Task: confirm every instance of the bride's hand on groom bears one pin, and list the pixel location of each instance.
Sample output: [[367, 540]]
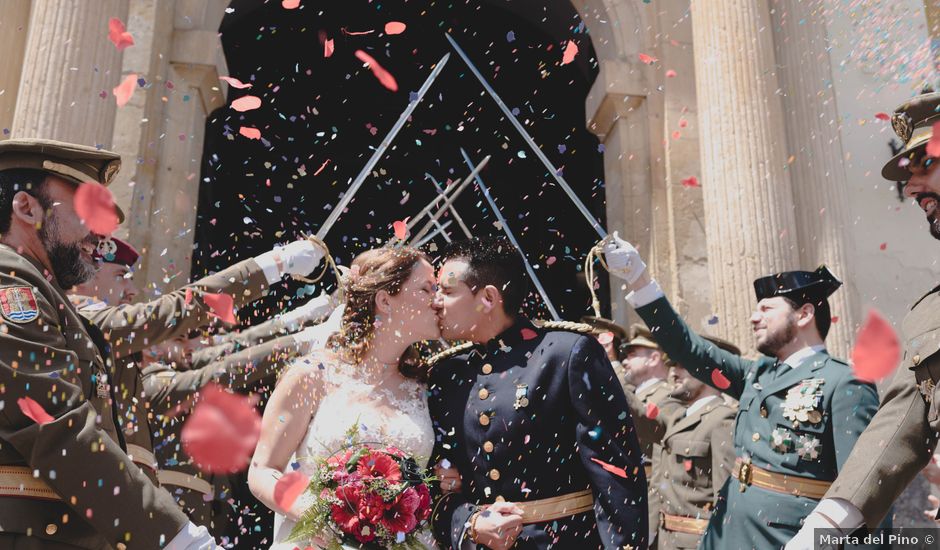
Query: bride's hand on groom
[[449, 478], [498, 525]]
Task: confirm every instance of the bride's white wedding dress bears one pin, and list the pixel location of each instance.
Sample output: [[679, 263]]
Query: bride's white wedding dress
[[382, 417]]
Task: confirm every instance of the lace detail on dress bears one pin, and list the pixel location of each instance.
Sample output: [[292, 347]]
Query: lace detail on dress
[[383, 417]]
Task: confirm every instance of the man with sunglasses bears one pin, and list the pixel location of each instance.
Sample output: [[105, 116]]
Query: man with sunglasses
[[902, 436]]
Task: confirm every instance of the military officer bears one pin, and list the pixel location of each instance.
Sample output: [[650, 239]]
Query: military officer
[[611, 336], [693, 460], [67, 480], [901, 438], [533, 419], [801, 410]]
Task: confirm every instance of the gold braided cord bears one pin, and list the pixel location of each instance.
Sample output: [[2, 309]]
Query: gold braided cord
[[596, 253], [583, 328], [329, 264]]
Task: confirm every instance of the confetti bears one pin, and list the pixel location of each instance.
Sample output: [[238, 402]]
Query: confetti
[[34, 410], [246, 103], [719, 380], [234, 82], [222, 431], [118, 35], [94, 204], [401, 229], [222, 306], [328, 47], [288, 488], [380, 73], [611, 468], [690, 181], [290, 4], [123, 91], [652, 411], [647, 59], [571, 50], [882, 116], [395, 27], [877, 349], [249, 132]]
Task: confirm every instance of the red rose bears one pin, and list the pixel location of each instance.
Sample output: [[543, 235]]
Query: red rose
[[377, 464], [424, 505], [400, 516]]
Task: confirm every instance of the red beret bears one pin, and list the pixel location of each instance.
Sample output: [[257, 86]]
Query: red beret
[[114, 250]]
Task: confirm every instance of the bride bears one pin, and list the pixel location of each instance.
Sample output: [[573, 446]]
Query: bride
[[359, 379]]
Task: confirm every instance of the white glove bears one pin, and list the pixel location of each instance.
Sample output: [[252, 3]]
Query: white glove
[[313, 310], [805, 539], [300, 257], [623, 259], [193, 537]]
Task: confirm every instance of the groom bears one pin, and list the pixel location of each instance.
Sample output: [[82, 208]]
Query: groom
[[533, 419]]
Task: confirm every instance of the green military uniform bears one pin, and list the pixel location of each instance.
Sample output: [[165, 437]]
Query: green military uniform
[[66, 482], [170, 392], [234, 341], [902, 436], [796, 425]]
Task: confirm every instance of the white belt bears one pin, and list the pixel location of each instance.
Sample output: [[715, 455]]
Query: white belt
[[179, 479], [141, 456]]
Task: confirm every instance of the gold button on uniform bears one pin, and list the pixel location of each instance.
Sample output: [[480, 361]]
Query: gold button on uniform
[[915, 359], [484, 393], [51, 529], [484, 419], [488, 446], [487, 368], [494, 474], [755, 437]]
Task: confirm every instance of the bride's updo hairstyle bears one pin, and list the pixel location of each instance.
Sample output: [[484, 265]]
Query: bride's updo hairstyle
[[387, 268]]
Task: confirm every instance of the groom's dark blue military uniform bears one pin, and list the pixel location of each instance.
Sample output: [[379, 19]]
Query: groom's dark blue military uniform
[[538, 414]]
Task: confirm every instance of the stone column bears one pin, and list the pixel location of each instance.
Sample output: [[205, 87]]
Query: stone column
[[815, 156], [14, 27], [69, 69], [749, 220]]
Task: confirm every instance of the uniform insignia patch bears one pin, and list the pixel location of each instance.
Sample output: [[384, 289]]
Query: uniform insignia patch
[[18, 304], [808, 447]]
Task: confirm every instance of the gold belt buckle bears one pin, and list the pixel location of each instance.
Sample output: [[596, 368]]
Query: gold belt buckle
[[744, 475]]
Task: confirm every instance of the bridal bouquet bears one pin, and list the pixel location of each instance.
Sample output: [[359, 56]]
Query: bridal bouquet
[[366, 496]]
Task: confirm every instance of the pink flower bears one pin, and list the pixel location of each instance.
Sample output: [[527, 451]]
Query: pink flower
[[400, 516]]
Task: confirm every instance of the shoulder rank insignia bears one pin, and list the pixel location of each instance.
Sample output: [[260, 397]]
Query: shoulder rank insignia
[[449, 352], [583, 328], [18, 304]]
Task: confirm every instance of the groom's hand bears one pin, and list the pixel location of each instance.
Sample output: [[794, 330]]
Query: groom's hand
[[624, 262], [498, 526], [449, 478]]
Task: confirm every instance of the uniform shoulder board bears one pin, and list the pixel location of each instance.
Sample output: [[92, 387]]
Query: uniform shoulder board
[[449, 352], [582, 328]]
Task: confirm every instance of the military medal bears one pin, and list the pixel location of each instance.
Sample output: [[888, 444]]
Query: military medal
[[802, 401], [808, 447], [781, 440], [102, 386], [522, 396]]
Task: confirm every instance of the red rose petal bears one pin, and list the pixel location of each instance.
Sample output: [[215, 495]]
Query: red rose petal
[[123, 91], [571, 50], [94, 204], [652, 411], [34, 410], [222, 306], [648, 59], [395, 27], [222, 431], [611, 468], [380, 73], [529, 334], [234, 82], [883, 246], [401, 229], [882, 116], [249, 132], [118, 35], [289, 487], [933, 146], [328, 47], [670, 73], [246, 103], [189, 296], [687, 465], [691, 181], [877, 350], [719, 380]]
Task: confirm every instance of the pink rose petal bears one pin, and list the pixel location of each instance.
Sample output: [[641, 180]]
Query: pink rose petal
[[289, 487], [123, 91], [222, 306], [290, 4], [246, 103], [647, 59], [877, 350], [34, 410], [571, 50], [380, 73], [118, 35], [234, 82], [690, 181], [94, 205], [719, 380], [401, 229], [328, 47], [222, 431], [529, 334], [249, 132], [933, 146], [395, 27]]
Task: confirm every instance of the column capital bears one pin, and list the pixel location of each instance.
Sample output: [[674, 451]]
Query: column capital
[[616, 93]]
